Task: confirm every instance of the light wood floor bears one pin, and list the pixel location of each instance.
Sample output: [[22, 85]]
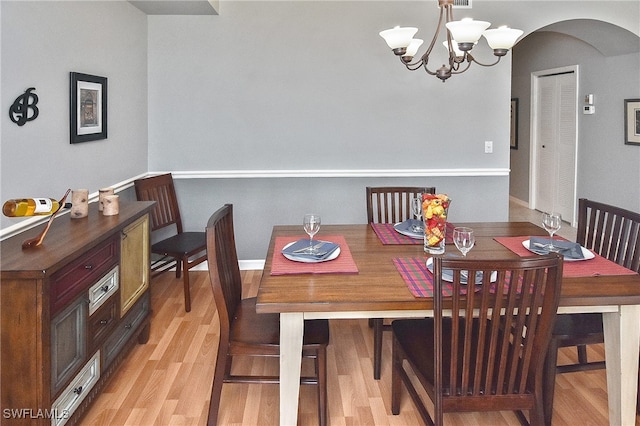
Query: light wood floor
[[168, 380]]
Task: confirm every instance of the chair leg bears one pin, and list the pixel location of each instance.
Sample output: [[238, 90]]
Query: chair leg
[[396, 381], [638, 393], [187, 288], [179, 268], [377, 347], [321, 371], [218, 380], [582, 354], [549, 380]]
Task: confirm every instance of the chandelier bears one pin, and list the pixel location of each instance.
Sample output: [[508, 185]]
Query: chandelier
[[461, 37]]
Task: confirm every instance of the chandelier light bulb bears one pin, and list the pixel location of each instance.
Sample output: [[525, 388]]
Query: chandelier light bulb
[[413, 47], [467, 31], [398, 37], [502, 37], [459, 53]]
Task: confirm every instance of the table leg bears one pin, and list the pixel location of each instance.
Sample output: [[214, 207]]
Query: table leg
[[291, 331], [622, 343]]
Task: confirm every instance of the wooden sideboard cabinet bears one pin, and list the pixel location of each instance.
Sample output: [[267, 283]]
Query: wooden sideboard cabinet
[[70, 311]]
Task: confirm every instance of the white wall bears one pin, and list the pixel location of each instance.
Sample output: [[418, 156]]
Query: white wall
[[309, 92], [253, 90], [311, 87], [608, 170], [42, 42]]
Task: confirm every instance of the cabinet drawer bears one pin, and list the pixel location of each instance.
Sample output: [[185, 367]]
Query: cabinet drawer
[[78, 275], [103, 322], [126, 328], [75, 393], [102, 290]]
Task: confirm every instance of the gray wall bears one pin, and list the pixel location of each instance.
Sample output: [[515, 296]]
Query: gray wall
[[608, 170], [42, 42], [237, 101]]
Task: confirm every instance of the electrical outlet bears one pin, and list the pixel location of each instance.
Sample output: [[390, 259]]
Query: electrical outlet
[[488, 147]]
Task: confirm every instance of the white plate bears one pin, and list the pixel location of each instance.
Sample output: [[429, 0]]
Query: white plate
[[585, 252], [332, 256], [447, 274], [406, 233]]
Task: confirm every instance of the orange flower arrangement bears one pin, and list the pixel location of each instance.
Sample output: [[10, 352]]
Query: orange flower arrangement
[[434, 210]]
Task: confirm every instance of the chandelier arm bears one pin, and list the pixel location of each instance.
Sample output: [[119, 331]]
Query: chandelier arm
[[470, 59], [425, 57], [460, 71]]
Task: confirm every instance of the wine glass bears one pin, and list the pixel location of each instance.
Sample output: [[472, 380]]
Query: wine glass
[[311, 227], [551, 223], [416, 206], [464, 239]]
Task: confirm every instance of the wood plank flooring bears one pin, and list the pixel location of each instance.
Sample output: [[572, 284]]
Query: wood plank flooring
[[168, 380]]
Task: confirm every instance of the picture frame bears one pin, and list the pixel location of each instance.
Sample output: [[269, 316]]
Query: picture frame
[[513, 140], [632, 121], [87, 107]]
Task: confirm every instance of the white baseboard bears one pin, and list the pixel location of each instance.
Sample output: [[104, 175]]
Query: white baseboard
[[519, 202], [245, 265]]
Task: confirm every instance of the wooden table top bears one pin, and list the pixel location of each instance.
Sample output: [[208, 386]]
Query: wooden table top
[[379, 286]]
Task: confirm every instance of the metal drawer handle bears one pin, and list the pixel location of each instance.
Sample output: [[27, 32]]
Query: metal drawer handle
[[128, 326], [78, 390], [105, 288], [105, 322], [88, 266]]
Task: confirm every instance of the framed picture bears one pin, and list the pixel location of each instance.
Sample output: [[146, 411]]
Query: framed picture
[[513, 141], [88, 107], [632, 121]]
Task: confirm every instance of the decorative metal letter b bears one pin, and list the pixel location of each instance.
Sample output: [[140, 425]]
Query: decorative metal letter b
[[19, 111]]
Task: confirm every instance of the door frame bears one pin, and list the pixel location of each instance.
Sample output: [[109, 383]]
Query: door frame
[[533, 178]]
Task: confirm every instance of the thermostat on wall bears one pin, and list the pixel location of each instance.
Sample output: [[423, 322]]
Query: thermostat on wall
[[589, 109]]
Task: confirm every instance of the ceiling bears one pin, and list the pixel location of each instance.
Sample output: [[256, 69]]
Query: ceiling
[[177, 7], [608, 39]]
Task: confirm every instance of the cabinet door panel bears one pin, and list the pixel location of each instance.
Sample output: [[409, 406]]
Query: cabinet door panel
[[134, 266], [68, 343]]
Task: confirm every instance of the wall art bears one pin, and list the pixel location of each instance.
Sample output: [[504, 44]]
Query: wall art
[[632, 121], [88, 107]]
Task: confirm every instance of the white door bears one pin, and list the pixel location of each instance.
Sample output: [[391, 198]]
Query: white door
[[554, 142]]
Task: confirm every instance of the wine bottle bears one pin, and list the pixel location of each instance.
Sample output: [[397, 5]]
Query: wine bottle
[[31, 207]]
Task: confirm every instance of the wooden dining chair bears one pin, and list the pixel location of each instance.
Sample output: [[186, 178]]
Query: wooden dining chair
[[482, 350], [178, 248], [243, 332], [388, 204], [613, 233]]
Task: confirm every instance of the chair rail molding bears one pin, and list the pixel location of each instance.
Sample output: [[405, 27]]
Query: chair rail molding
[[333, 173]]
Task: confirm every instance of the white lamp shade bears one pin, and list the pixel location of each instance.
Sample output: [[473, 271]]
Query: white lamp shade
[[502, 38], [413, 47], [467, 30], [459, 53], [398, 36]]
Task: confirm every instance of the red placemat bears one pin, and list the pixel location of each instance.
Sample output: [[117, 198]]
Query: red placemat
[[418, 278], [388, 235], [582, 268], [343, 264]]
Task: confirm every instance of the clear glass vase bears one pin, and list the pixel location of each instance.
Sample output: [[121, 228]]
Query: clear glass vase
[[435, 211]]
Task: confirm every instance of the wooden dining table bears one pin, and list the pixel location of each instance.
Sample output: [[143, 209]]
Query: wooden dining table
[[376, 289]]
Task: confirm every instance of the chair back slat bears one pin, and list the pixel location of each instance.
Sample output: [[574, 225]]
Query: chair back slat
[[392, 204], [161, 190], [224, 272], [611, 232], [499, 332]]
